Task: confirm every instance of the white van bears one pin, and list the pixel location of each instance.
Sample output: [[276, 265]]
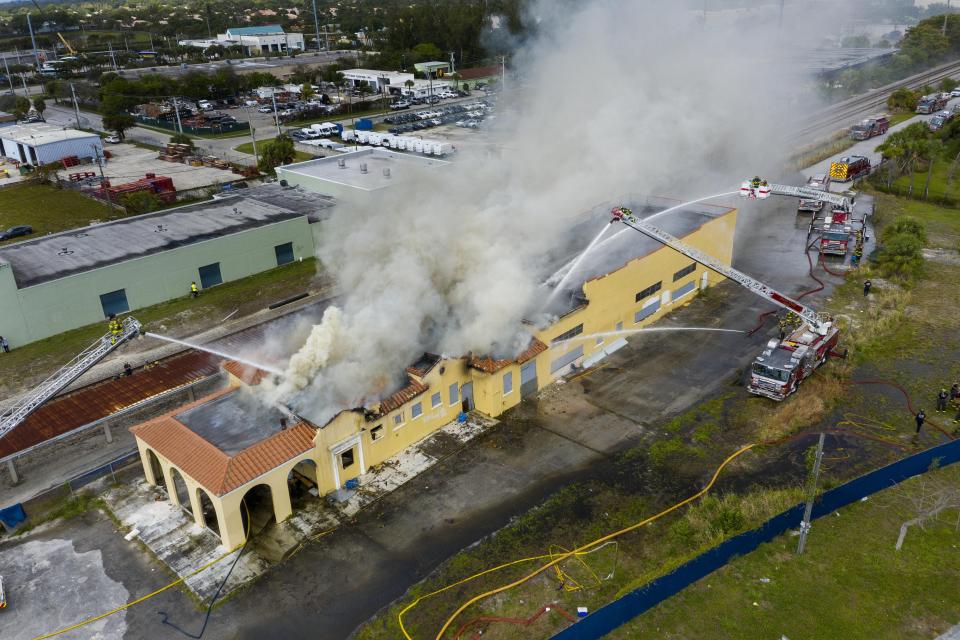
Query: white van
[[325, 129]]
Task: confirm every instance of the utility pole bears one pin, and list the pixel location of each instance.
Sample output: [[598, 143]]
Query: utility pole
[[453, 66], [112, 58], [176, 110], [103, 180], [276, 116], [76, 107], [150, 33], [503, 72], [253, 139], [23, 79], [33, 41], [6, 68], [316, 24], [811, 495], [945, 19]]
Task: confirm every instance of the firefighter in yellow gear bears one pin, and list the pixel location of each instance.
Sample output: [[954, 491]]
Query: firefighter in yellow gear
[[194, 290], [115, 327]]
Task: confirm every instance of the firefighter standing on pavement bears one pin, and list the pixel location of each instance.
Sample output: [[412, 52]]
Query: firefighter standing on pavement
[[866, 287], [942, 401], [920, 417]]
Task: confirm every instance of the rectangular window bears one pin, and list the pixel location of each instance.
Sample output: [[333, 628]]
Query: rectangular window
[[649, 291], [284, 253], [377, 432], [454, 394], [210, 275], [507, 383], [566, 359], [346, 458], [114, 302], [684, 290], [685, 271], [435, 400], [647, 311], [398, 419], [566, 335], [416, 411], [619, 326]]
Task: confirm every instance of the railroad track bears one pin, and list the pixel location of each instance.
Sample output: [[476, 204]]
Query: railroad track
[[845, 113]]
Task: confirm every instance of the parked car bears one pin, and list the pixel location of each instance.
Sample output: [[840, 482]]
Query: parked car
[[955, 93], [16, 232], [399, 105], [265, 109], [112, 138]]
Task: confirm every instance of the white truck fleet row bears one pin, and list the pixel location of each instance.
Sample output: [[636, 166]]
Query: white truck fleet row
[[399, 143]]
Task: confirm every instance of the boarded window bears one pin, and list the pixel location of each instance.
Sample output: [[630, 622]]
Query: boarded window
[[377, 432], [647, 311], [284, 253], [114, 302], [435, 400], [684, 290], [649, 291], [454, 393], [507, 382], [210, 275], [685, 271], [566, 335], [416, 411], [566, 359]]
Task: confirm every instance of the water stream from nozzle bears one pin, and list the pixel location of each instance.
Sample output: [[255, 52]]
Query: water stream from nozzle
[[573, 268], [572, 265], [222, 354]]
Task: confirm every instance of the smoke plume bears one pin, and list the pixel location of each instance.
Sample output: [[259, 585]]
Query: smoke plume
[[607, 97]]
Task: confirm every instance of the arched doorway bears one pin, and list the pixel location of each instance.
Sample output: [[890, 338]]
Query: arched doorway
[[154, 462], [256, 509], [180, 489], [301, 480], [207, 512]]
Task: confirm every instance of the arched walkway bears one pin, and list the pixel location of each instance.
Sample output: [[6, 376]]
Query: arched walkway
[[257, 509], [156, 468], [208, 512], [180, 489], [301, 479]]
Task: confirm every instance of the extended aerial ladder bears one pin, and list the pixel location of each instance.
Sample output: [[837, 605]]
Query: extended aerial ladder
[[819, 323], [128, 329], [761, 189]]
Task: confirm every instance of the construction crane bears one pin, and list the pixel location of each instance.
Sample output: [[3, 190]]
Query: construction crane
[[72, 51], [784, 363], [128, 329]]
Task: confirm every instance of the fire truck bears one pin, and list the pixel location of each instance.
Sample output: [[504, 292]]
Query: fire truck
[[820, 182], [784, 364], [932, 103], [849, 168], [866, 129]]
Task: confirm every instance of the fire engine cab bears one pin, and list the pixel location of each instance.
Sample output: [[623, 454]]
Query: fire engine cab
[[784, 364]]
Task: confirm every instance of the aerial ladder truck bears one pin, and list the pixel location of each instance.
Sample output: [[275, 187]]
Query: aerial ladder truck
[[784, 363], [120, 332]]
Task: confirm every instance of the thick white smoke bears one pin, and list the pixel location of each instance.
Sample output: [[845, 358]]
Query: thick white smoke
[[610, 97]]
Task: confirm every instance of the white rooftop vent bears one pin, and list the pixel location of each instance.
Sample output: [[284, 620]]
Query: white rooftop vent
[[342, 163], [363, 167], [160, 229]]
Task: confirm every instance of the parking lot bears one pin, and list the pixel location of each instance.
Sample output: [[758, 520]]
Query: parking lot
[[129, 163]]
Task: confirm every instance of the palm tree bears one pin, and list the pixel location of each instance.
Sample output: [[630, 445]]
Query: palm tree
[[931, 150]]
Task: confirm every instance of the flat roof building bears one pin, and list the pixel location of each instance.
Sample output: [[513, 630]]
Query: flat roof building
[[630, 284], [42, 143], [254, 40], [378, 81], [66, 280], [357, 173]]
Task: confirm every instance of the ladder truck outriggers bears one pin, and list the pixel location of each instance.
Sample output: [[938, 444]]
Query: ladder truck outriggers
[[784, 363], [119, 333]]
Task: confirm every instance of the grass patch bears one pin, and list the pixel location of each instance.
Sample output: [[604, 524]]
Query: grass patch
[[850, 583], [66, 508], [49, 209], [247, 147], [31, 363]]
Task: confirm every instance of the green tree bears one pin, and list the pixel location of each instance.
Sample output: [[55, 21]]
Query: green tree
[[949, 84], [275, 153], [306, 91], [427, 52], [119, 122], [40, 105], [141, 202], [901, 256], [181, 138], [20, 108], [908, 225], [903, 99]]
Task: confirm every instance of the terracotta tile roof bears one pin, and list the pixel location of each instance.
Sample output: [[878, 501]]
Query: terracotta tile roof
[[216, 471], [409, 392], [247, 374], [489, 365], [424, 365]]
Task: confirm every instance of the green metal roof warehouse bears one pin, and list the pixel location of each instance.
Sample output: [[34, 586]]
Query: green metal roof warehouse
[[67, 280]]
